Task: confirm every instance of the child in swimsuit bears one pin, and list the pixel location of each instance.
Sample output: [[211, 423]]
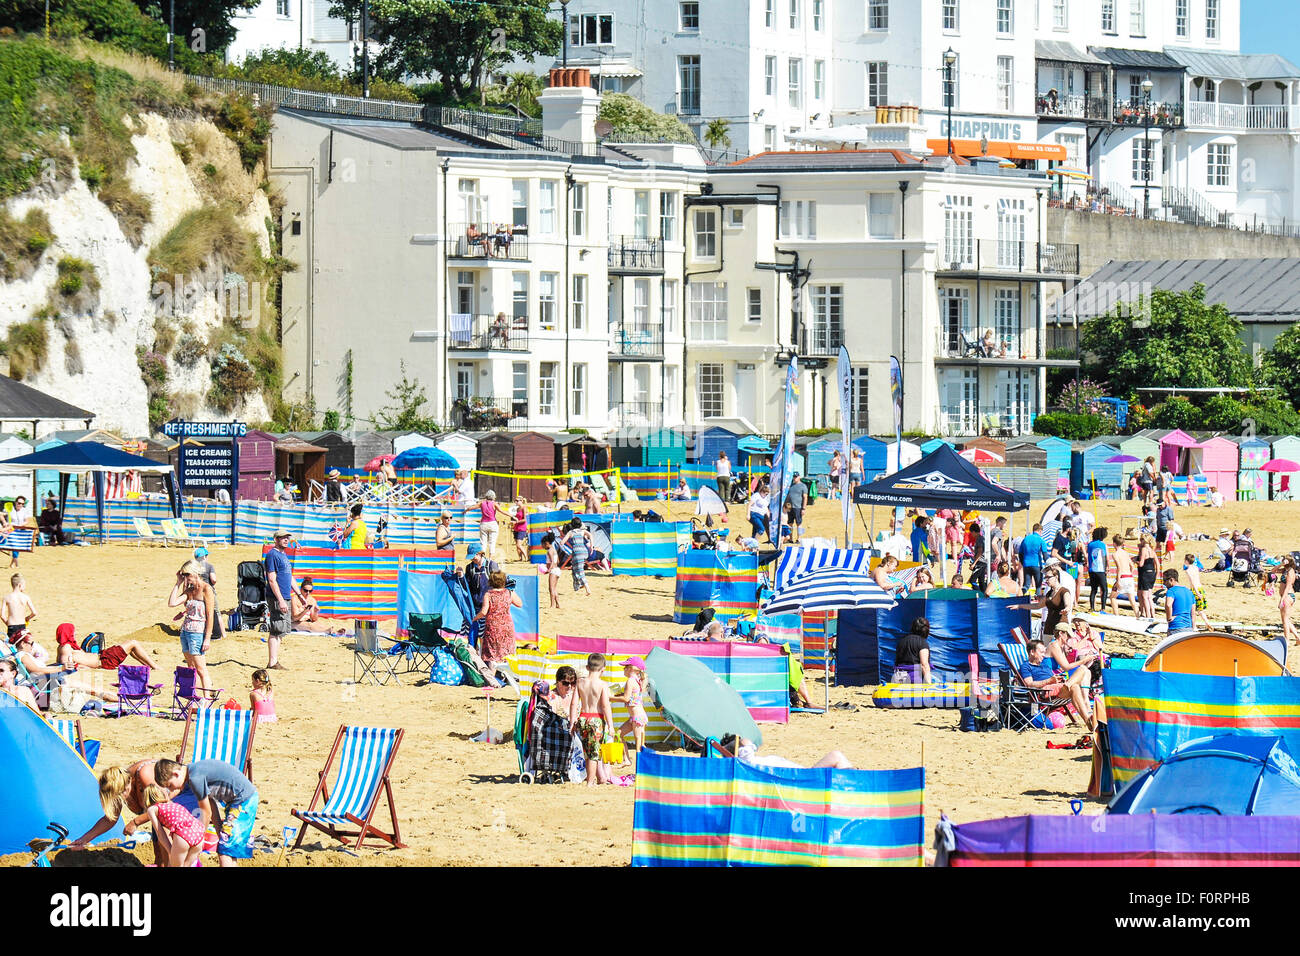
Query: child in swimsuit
[[592, 718], [178, 832], [262, 697], [634, 671]]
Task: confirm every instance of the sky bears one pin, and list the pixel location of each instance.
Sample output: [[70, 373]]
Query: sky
[[1271, 26]]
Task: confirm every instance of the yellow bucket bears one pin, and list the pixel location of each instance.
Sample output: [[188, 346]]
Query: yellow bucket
[[611, 752]]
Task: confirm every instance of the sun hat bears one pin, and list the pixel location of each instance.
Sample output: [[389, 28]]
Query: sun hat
[[200, 552], [635, 661], [332, 473], [282, 534]]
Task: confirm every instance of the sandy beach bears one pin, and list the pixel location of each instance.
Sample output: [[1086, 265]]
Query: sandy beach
[[458, 802]]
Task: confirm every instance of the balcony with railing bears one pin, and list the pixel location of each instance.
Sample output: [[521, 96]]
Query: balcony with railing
[[820, 340], [479, 413], [1008, 256], [636, 414], [628, 255], [636, 341], [488, 243], [1130, 112], [999, 421], [487, 333], [1053, 105], [1242, 117]]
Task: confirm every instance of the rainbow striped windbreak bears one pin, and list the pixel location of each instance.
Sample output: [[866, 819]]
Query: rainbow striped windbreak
[[529, 666], [726, 581], [1151, 714], [695, 812], [360, 584], [643, 548]]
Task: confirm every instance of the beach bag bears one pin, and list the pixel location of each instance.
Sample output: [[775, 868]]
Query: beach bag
[[446, 668], [236, 621], [466, 657]]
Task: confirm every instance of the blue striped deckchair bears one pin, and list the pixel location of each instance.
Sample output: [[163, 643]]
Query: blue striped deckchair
[[364, 767], [220, 734], [70, 731]]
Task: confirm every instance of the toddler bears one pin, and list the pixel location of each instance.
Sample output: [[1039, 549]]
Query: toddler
[[634, 671], [178, 832], [262, 697]]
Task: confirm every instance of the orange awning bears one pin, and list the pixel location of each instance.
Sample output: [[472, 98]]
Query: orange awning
[[971, 147]]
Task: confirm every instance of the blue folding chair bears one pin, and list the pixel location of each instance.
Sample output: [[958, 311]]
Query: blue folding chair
[[220, 734], [364, 766]]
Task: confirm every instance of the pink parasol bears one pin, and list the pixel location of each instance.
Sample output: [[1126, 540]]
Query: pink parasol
[[377, 464], [982, 456], [1281, 466]]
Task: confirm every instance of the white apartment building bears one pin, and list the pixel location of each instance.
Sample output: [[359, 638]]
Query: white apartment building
[[889, 254], [294, 24], [548, 285]]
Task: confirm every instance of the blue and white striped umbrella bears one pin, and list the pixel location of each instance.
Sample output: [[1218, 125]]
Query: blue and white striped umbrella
[[829, 589]]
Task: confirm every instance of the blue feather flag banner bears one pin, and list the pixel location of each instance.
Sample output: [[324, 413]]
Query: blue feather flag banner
[[783, 457]]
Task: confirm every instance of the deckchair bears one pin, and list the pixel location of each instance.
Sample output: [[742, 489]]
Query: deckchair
[[221, 734], [70, 731], [145, 535], [1019, 702], [597, 481], [176, 531], [364, 767]]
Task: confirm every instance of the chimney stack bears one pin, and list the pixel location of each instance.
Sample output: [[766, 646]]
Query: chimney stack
[[569, 107]]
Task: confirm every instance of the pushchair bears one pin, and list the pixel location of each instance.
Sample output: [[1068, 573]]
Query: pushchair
[[740, 489], [547, 749], [251, 596], [1245, 561]]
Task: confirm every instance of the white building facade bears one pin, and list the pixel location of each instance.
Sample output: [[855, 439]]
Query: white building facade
[[294, 25]]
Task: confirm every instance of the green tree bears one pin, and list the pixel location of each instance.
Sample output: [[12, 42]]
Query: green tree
[[1177, 412], [523, 89], [718, 133], [456, 41], [1280, 366], [630, 116], [309, 63], [406, 409], [203, 26], [1223, 413], [1170, 339]]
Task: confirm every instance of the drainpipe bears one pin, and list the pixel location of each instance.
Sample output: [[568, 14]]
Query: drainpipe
[[446, 301], [568, 225], [902, 288]]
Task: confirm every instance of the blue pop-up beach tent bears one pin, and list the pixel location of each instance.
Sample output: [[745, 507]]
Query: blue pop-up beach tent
[[88, 457], [1228, 775]]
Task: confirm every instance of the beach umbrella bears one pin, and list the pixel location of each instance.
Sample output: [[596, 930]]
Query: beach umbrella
[[982, 456], [828, 589], [377, 464], [697, 701], [1281, 466], [1121, 460], [425, 456], [1228, 775], [1068, 172]]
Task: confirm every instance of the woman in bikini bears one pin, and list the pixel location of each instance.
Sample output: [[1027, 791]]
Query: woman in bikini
[[552, 569], [1148, 569], [305, 611], [1125, 576]]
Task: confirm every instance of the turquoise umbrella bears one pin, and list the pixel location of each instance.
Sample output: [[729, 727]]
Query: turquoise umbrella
[[697, 701]]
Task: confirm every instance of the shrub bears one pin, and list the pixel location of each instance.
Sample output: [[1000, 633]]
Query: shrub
[[1176, 412], [22, 243], [1222, 413], [233, 378], [1080, 427], [27, 346], [332, 421], [153, 369], [189, 349]]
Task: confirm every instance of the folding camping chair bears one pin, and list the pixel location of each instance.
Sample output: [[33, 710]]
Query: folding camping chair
[[134, 692], [367, 653], [187, 696], [1019, 704], [597, 481], [364, 768], [145, 535], [221, 734], [422, 640]]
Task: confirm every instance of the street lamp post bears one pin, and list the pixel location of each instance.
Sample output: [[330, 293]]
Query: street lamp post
[[564, 25], [949, 58], [1146, 147], [365, 49]]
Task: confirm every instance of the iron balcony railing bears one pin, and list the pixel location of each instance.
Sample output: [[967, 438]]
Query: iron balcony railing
[[970, 343], [636, 414], [1073, 105], [641, 341], [820, 340], [1009, 256], [490, 241], [631, 255], [1130, 112], [487, 333]]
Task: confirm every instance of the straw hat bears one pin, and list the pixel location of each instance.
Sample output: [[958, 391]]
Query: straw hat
[[332, 473]]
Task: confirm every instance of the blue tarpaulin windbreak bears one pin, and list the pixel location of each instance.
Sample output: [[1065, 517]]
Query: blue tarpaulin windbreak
[[88, 457]]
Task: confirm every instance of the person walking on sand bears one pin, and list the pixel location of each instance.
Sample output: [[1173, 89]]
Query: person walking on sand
[[200, 605], [552, 569], [1198, 589], [279, 578], [722, 477], [498, 641], [592, 718], [18, 610], [1125, 577], [578, 540]]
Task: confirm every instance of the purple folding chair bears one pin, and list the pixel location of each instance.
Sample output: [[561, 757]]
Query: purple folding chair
[[134, 692], [187, 696]]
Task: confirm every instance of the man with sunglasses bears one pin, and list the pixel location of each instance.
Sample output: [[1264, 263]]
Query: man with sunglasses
[[20, 518]]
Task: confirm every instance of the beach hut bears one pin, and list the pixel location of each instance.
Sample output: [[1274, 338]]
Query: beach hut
[[463, 446], [875, 456], [156, 451], [627, 446], [580, 453], [1217, 459], [900, 454], [1058, 453], [665, 447], [257, 466], [1142, 445], [339, 451], [539, 454], [1254, 454], [300, 461], [932, 444], [1026, 454], [367, 446], [711, 439], [990, 445], [14, 483], [405, 440], [1089, 469], [496, 454], [818, 452], [1285, 486], [1171, 449]]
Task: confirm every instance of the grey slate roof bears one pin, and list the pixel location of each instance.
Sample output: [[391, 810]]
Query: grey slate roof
[[1235, 66], [1065, 52], [19, 402], [1140, 59], [1254, 290]]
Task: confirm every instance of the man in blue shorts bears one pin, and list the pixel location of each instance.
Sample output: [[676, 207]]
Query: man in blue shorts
[[1180, 602]]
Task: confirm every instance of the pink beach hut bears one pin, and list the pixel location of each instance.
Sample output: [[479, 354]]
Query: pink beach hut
[[1217, 460], [1171, 449]]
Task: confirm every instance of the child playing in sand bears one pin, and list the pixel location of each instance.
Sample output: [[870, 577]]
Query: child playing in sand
[[592, 718], [262, 697], [634, 671], [178, 832], [18, 610], [224, 794], [552, 569]]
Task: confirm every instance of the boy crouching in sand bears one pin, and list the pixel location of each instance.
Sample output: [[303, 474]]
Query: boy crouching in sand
[[592, 718], [217, 785]]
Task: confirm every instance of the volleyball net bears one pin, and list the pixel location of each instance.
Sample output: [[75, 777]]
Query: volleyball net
[[608, 483]]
